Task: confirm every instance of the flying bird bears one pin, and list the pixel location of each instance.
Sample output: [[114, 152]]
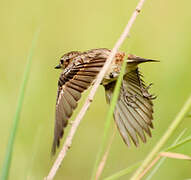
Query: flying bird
[[133, 113]]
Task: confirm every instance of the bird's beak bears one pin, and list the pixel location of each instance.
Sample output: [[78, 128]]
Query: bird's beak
[[136, 59], [58, 67]]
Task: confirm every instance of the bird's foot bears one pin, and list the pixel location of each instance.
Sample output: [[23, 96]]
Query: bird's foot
[[146, 94], [131, 100]]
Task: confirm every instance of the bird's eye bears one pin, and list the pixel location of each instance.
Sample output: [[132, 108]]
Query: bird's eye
[[68, 59], [61, 61]]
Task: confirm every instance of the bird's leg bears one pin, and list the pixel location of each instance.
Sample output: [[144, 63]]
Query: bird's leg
[[147, 95], [129, 99], [144, 90]]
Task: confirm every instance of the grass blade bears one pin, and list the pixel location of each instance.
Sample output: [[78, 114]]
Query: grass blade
[[175, 155], [123, 172], [157, 166], [9, 151], [105, 156], [109, 117], [184, 141]]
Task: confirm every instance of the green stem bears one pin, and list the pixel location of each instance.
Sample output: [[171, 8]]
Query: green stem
[[163, 140], [8, 156], [184, 141], [123, 172], [109, 117]]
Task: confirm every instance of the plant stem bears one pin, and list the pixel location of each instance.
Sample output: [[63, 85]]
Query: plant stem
[[123, 172], [163, 158], [109, 117]]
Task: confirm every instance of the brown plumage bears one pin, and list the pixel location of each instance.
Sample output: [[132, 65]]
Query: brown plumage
[[133, 112]]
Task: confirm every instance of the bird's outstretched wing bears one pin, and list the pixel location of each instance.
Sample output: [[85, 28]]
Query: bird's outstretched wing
[[134, 109], [73, 81]]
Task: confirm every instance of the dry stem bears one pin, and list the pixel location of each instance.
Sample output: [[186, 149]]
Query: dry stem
[[104, 158], [90, 97], [164, 154]]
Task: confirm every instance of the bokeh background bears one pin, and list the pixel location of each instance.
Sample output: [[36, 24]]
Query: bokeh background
[[162, 31]]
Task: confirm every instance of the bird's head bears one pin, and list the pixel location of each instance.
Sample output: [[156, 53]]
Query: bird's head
[[66, 59]]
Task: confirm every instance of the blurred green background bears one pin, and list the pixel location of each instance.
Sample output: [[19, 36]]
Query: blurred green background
[[162, 31]]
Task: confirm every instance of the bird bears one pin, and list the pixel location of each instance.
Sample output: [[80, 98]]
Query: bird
[[133, 112]]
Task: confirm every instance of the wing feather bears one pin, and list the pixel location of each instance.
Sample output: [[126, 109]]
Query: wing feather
[[133, 112], [70, 99], [122, 129], [72, 82]]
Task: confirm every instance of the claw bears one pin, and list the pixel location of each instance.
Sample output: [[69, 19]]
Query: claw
[[149, 96], [149, 86], [131, 100], [152, 97], [146, 93]]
